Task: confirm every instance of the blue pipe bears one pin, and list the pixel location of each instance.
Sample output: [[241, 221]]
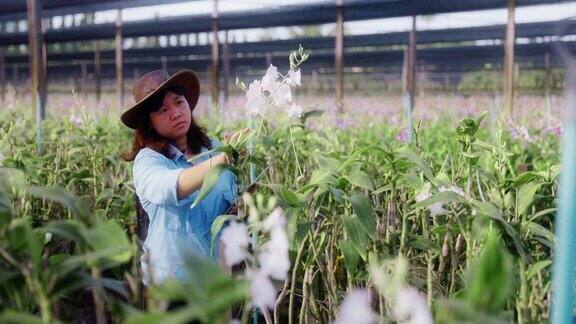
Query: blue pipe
[[564, 262]]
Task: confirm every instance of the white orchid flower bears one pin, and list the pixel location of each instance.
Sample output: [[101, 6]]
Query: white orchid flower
[[262, 289], [356, 308], [269, 79], [294, 111], [274, 257], [294, 78], [235, 239], [411, 307]]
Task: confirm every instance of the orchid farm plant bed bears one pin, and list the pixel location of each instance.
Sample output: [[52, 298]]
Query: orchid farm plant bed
[[346, 225]]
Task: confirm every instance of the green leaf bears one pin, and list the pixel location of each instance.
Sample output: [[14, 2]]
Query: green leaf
[[78, 207], [10, 316], [423, 244], [110, 237], [210, 181], [525, 196], [490, 279], [487, 209], [361, 179], [217, 226], [356, 234], [539, 230], [365, 212], [414, 158], [442, 196], [537, 267], [351, 256]]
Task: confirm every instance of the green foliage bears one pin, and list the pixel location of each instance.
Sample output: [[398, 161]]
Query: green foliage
[[67, 218]]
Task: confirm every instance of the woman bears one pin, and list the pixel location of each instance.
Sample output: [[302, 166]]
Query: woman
[[166, 183]]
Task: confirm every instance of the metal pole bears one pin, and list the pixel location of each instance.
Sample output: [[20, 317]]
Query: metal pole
[[83, 78], [409, 78], [97, 70], [547, 83], [2, 76], [37, 77], [119, 61], [164, 63], [215, 59], [339, 56], [226, 57], [564, 261], [509, 59]]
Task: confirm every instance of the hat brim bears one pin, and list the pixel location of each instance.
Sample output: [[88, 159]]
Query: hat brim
[[187, 79]]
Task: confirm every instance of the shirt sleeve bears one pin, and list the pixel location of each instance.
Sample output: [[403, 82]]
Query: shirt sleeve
[[155, 181], [215, 142]]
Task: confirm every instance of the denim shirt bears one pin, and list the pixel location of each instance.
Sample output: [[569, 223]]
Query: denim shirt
[[175, 229]]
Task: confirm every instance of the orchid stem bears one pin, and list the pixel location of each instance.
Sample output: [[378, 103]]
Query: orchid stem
[[294, 148]]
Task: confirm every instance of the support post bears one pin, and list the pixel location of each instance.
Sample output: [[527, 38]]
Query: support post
[[37, 70], [226, 58], [548, 84], [164, 63], [119, 61], [2, 76], [83, 79], [15, 76], [509, 59], [339, 56], [409, 78], [215, 58], [97, 71]]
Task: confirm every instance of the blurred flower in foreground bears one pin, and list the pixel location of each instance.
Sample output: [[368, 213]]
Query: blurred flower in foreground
[[435, 208], [274, 257], [235, 239], [403, 135], [262, 289], [411, 307], [356, 308]]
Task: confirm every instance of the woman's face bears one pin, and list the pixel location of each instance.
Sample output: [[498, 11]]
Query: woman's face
[[173, 118]]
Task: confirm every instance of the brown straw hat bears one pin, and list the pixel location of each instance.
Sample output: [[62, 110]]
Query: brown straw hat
[[153, 82]]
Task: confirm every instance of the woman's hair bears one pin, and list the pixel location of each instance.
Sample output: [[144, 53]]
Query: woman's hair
[[146, 136]]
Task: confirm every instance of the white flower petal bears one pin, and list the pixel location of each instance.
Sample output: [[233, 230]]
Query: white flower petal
[[436, 209], [269, 79], [262, 290], [294, 111], [356, 308], [294, 78], [235, 239], [274, 257], [275, 220], [281, 95], [424, 194], [411, 307]]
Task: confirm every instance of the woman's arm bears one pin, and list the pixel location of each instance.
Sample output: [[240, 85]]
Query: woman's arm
[[191, 179]]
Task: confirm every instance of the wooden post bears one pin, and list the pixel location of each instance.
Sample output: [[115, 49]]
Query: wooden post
[[215, 59], [37, 70], [268, 59], [409, 77], [15, 76], [164, 63], [226, 58], [119, 61], [548, 83], [2, 76], [339, 55], [83, 79], [411, 72], [97, 70], [509, 59]]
